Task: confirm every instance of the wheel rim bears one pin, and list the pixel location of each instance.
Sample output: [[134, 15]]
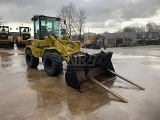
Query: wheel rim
[[49, 64]]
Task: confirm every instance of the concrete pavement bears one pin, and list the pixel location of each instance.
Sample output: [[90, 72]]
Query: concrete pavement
[[30, 94]]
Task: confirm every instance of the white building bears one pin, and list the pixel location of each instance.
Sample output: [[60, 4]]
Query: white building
[[149, 38]]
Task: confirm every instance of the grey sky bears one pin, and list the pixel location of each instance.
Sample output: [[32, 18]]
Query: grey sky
[[101, 13]]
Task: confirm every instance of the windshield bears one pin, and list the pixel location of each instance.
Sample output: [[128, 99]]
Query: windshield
[[4, 28], [24, 29], [50, 26]]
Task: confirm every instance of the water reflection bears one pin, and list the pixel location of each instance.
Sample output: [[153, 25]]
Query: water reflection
[[6, 60], [54, 93], [45, 89], [89, 101]]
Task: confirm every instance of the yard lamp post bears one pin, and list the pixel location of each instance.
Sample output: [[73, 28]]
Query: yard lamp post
[[115, 42]]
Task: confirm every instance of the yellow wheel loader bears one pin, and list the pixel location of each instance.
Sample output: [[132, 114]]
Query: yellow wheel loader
[[5, 37], [84, 71], [94, 42], [24, 35]]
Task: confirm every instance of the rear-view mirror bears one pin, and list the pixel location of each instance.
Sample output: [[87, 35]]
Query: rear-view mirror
[[65, 22], [34, 18]]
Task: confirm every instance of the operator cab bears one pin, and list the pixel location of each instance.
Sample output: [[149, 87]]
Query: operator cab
[[23, 30], [45, 26], [4, 32], [4, 29]]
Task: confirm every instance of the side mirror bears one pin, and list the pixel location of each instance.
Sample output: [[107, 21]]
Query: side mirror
[[30, 29], [34, 18], [10, 28], [65, 22], [16, 28], [63, 31]]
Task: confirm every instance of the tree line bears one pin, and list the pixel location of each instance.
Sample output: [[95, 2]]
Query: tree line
[[147, 28]]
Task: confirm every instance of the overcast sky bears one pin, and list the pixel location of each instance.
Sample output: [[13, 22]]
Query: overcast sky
[[103, 15]]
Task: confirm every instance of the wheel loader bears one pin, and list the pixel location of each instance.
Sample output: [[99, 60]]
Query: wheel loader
[[84, 71], [94, 42], [24, 35], [5, 37]]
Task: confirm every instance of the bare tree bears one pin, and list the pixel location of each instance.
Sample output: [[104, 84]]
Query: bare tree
[[157, 27], [75, 19], [140, 29], [81, 17], [151, 27], [134, 29], [147, 28], [129, 29], [68, 13]]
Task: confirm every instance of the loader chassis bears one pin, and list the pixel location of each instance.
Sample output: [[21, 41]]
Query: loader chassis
[[5, 37]]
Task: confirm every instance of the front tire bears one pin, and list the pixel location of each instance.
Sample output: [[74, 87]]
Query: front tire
[[11, 44], [53, 64], [32, 62]]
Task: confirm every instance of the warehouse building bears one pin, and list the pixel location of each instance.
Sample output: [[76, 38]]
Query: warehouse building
[[120, 39]]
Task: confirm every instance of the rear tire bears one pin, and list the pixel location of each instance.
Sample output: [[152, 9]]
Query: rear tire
[[18, 44], [53, 64], [11, 44], [32, 62]]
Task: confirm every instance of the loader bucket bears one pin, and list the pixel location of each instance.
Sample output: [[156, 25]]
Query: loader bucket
[[81, 67]]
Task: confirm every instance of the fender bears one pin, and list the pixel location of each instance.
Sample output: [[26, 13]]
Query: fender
[[36, 52]]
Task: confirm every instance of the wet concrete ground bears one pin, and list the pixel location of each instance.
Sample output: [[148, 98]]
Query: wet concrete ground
[[30, 94]]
